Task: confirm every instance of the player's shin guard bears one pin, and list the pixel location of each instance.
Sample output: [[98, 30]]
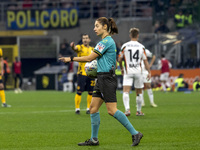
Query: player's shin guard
[[95, 122], [150, 94], [139, 102], [121, 117], [126, 100], [3, 97], [89, 99], [77, 101]]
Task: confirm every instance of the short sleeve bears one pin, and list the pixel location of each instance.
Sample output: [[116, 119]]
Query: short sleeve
[[123, 47], [100, 48], [1, 52], [121, 54], [148, 53], [144, 54], [79, 47]]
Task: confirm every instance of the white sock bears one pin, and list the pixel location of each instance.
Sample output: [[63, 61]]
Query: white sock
[[142, 96], [150, 94], [126, 100], [139, 102], [163, 86]]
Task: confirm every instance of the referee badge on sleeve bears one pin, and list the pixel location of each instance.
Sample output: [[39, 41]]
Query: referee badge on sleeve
[[100, 47]]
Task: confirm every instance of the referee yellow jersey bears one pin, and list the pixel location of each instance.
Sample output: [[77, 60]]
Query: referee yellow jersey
[[83, 51]]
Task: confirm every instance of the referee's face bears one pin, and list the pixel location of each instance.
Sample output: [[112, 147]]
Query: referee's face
[[98, 28]]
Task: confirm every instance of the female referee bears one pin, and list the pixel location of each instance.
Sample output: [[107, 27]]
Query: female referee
[[105, 53]]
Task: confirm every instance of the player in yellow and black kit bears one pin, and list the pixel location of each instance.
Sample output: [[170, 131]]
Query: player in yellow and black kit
[[2, 93], [84, 82]]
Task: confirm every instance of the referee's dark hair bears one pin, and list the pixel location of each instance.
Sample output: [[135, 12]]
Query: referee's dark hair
[[111, 25]]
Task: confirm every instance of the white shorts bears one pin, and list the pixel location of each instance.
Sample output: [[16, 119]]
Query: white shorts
[[137, 79], [145, 78], [164, 76]]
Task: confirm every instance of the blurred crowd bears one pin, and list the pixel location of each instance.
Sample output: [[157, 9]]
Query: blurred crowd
[[99, 7], [174, 14]]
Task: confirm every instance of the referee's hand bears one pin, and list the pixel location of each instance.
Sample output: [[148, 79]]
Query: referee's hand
[[65, 59]]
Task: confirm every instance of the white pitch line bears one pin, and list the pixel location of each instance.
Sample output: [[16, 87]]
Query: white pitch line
[[36, 112]]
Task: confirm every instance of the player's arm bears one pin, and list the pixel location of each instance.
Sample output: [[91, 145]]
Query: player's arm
[[120, 59], [73, 46], [120, 64], [146, 64], [152, 60], [89, 58], [116, 65]]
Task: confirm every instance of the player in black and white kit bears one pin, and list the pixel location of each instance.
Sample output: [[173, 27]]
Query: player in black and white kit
[[133, 54], [147, 83]]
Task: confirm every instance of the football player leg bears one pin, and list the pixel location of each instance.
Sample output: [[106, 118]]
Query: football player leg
[[143, 103], [2, 94], [150, 94], [139, 102], [80, 89], [78, 101], [163, 79], [144, 75], [127, 84], [139, 85], [89, 99], [89, 87], [126, 100], [121, 117], [95, 122], [147, 86]]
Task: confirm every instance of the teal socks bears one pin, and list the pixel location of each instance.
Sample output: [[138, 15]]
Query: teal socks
[[95, 122], [121, 117]]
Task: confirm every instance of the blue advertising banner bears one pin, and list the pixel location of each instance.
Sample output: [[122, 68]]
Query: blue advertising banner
[[42, 19]]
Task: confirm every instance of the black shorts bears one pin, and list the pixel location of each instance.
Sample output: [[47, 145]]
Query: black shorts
[[105, 87], [84, 83]]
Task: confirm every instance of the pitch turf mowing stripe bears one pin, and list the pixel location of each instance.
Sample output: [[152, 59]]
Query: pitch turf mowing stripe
[[36, 112]]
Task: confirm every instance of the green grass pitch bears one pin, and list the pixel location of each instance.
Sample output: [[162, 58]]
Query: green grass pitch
[[45, 120]]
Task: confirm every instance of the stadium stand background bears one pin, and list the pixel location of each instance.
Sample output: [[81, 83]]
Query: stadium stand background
[[41, 47]]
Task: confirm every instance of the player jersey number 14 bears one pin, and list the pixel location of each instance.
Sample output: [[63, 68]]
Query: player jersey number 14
[[133, 58]]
